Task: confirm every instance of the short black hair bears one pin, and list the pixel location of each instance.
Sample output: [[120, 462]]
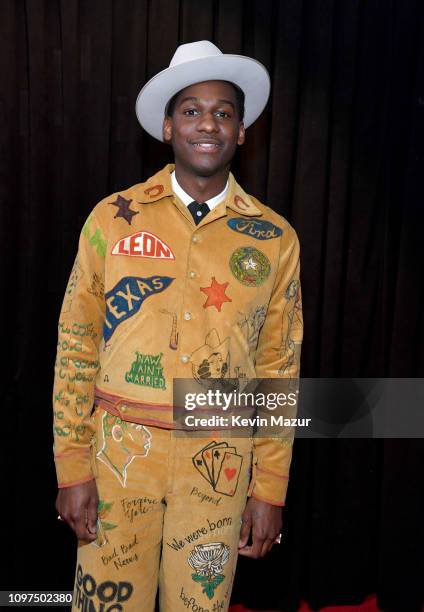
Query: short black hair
[[169, 109]]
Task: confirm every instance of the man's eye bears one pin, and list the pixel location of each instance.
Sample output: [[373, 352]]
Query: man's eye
[[223, 114], [190, 112]]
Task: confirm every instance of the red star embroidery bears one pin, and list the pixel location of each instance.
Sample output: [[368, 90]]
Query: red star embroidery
[[216, 294], [124, 209]]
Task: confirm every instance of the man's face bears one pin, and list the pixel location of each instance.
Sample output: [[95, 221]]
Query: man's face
[[133, 438], [205, 129]]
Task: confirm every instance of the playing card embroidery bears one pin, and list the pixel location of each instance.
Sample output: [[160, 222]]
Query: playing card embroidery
[[220, 465]]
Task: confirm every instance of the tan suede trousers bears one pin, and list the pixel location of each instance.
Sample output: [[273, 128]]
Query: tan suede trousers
[[169, 516]]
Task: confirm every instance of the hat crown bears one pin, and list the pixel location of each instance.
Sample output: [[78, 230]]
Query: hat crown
[[192, 51], [197, 62]]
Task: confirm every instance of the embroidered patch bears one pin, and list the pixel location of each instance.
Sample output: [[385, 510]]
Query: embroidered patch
[[126, 298], [154, 191], [91, 593], [76, 273], [216, 294], [102, 525], [134, 508], [147, 371], [240, 203], [211, 362], [124, 209], [250, 266], [143, 244], [292, 313], [251, 324], [212, 359], [97, 286], [261, 230], [220, 465], [122, 443], [96, 239], [208, 561], [173, 336]]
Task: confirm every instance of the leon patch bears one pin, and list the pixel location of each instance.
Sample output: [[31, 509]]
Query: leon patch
[[126, 298], [250, 266], [261, 230], [143, 244]]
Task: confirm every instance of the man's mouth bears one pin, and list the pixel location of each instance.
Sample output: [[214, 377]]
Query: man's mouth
[[206, 146]]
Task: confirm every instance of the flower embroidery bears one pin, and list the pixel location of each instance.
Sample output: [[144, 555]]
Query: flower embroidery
[[208, 561]]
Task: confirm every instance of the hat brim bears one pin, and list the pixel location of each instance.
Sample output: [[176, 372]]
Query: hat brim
[[249, 74]]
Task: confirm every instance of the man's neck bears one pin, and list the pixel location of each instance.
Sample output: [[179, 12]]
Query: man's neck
[[201, 188]]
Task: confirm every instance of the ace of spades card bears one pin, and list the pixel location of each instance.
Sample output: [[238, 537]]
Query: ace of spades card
[[220, 465]]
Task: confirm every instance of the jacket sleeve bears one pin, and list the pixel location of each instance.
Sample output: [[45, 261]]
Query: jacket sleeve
[[278, 356], [77, 361]]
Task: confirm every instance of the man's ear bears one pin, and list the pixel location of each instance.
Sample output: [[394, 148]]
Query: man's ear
[[167, 129], [242, 134]]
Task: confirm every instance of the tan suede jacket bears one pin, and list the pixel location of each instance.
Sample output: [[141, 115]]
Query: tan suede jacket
[[152, 297]]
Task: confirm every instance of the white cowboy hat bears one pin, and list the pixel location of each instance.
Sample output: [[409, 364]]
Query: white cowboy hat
[[196, 62]]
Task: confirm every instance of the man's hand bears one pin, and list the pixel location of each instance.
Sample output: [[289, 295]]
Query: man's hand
[[78, 507], [265, 521]]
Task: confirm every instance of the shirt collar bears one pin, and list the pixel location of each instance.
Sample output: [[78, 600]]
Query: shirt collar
[[159, 186], [186, 199]]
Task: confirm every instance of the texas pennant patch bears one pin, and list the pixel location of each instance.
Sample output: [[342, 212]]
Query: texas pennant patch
[[143, 244], [126, 298]]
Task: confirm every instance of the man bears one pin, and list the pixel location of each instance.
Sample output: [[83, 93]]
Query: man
[[163, 288]]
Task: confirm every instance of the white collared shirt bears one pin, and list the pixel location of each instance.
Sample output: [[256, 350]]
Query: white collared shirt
[[186, 199]]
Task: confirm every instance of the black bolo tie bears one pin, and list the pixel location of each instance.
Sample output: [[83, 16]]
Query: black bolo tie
[[198, 211]]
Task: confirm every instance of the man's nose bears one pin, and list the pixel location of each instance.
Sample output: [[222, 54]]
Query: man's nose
[[207, 123]]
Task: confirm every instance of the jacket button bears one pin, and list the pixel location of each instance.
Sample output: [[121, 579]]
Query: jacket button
[[123, 408], [195, 239], [185, 358], [187, 316], [193, 274]]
